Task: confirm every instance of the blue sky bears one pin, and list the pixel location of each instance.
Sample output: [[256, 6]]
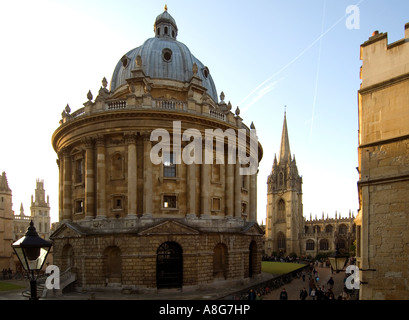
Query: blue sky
[[262, 54]]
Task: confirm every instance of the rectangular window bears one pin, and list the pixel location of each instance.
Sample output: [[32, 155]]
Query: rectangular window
[[79, 205], [117, 203], [216, 204], [169, 166], [169, 202]]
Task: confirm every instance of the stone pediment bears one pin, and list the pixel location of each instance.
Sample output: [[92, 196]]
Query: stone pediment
[[253, 229], [169, 227], [66, 231]]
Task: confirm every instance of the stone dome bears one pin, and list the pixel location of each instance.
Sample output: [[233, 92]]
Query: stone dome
[[163, 57]]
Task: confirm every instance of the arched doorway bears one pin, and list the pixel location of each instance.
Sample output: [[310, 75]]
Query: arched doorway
[[252, 257], [113, 265], [169, 266]]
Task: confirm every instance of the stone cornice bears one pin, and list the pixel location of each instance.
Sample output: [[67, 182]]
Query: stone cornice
[[156, 115]]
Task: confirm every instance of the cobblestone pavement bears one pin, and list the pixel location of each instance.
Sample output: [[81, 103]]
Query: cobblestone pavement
[[294, 287]]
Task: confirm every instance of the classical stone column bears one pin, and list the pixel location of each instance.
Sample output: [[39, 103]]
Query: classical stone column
[[60, 163], [147, 177], [101, 177], [204, 184], [132, 175], [191, 190], [229, 190], [237, 190], [67, 183], [253, 197], [89, 179]]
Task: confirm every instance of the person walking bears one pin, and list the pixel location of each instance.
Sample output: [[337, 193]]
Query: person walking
[[303, 294], [330, 283], [283, 295], [252, 295]]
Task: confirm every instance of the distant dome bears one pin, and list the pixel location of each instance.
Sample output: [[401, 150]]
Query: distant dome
[[163, 57]]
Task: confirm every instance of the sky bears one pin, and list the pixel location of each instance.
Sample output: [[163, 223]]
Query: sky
[[263, 54]]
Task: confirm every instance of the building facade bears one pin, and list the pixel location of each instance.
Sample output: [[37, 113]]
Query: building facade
[[287, 230], [13, 227], [383, 155], [6, 224], [325, 235], [138, 207]]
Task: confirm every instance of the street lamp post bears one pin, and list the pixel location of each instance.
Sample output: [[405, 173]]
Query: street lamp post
[[32, 251]]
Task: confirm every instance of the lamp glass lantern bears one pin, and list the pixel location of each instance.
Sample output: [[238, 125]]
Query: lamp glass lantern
[[338, 261], [32, 250]]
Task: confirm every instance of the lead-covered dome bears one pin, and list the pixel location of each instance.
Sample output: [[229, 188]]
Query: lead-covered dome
[[163, 57]]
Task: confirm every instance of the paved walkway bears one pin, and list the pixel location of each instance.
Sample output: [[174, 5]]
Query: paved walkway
[[293, 290], [294, 287]]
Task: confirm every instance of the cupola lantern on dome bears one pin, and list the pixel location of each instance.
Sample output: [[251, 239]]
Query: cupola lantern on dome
[[165, 26]]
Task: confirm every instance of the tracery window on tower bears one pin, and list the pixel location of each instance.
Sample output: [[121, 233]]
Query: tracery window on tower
[[281, 210], [281, 179], [281, 241]]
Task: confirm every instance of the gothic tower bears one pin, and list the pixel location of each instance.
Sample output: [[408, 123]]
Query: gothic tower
[[284, 202], [40, 210]]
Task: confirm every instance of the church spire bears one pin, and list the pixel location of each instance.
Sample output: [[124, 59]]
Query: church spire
[[285, 152]]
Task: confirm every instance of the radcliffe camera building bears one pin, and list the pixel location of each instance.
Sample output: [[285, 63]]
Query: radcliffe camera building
[[129, 222]]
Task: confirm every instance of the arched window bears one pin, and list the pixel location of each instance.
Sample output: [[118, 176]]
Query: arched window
[[341, 244], [328, 228], [342, 229], [324, 244], [281, 210], [310, 245]]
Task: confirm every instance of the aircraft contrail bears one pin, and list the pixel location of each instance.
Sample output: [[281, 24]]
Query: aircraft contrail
[[296, 58]]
